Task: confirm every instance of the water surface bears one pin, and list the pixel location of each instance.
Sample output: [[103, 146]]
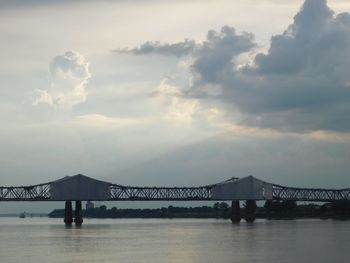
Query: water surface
[[173, 240]]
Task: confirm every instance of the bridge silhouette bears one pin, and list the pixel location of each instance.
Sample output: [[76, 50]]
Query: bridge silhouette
[[80, 188]]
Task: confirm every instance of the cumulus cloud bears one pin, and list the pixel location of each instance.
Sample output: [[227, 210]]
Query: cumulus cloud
[[177, 108], [300, 84], [69, 74], [214, 58]]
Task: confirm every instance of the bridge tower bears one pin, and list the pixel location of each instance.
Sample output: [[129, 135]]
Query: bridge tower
[[78, 188]]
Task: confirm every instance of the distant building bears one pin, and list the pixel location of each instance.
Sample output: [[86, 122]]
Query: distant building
[[89, 205]]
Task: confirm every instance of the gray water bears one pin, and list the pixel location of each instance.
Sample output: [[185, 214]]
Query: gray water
[[173, 240]]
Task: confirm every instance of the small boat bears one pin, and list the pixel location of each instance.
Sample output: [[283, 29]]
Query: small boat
[[22, 215]]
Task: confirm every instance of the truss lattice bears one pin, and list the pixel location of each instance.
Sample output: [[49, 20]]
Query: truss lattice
[[41, 192]]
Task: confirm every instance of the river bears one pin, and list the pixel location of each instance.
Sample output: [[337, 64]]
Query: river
[[174, 240]]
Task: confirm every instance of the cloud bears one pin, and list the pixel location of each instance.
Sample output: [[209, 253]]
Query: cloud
[[176, 107], [99, 120], [69, 74], [214, 59], [291, 51], [223, 42], [177, 49], [300, 84]]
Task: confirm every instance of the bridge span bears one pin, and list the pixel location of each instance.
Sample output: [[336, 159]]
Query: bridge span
[[80, 188]]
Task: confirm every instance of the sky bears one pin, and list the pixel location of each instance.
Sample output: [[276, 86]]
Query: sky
[[174, 93]]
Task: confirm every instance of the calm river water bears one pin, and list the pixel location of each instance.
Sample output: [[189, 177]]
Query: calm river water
[[175, 240]]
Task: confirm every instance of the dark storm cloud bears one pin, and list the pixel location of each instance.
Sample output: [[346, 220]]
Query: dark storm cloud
[[301, 84]]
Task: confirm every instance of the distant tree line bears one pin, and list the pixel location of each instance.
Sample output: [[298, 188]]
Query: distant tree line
[[271, 209], [219, 210], [290, 209]]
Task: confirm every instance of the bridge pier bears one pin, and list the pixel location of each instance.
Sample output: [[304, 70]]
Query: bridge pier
[[68, 213], [78, 218], [235, 212], [250, 206], [268, 208]]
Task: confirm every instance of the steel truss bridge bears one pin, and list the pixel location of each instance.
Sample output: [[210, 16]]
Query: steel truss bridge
[[42, 192]]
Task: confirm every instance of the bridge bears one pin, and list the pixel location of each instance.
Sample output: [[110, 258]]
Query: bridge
[[80, 188]]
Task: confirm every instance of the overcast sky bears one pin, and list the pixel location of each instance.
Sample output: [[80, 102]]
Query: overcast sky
[[188, 92]]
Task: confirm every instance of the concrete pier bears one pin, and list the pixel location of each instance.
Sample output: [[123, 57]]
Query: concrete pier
[[250, 210], [68, 213], [78, 217], [235, 212], [268, 207]]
